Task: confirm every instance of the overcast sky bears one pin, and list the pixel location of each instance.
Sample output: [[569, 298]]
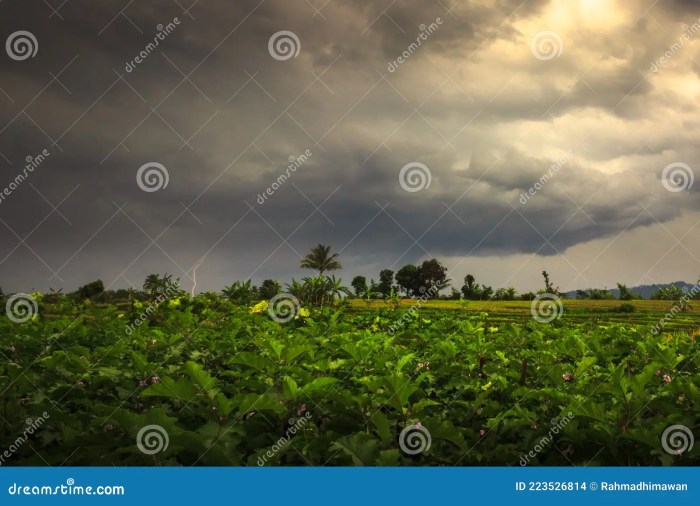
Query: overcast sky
[[496, 93]]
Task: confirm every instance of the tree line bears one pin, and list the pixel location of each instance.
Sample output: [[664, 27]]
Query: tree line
[[426, 280]]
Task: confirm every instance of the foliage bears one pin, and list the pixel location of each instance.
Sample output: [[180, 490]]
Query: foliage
[[359, 284], [318, 290], [269, 288], [474, 291], [408, 279], [239, 292], [505, 294], [595, 294], [548, 286], [386, 279], [433, 276], [225, 380], [626, 294], [670, 293], [156, 285], [429, 278], [320, 259], [90, 290]]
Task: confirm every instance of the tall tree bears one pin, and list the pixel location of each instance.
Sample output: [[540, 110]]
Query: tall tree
[[470, 287], [91, 289], [320, 259], [548, 286], [408, 279], [625, 293], [269, 288], [155, 284], [433, 276], [386, 279], [359, 284]]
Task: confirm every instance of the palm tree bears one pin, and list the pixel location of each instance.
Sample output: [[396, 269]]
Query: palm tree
[[155, 285], [240, 292], [321, 260]]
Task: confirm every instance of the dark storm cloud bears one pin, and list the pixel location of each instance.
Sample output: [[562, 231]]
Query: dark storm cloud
[[223, 116]]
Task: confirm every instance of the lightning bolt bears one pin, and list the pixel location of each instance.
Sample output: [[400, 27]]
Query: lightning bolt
[[194, 275]]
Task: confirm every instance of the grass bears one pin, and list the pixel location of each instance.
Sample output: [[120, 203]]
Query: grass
[[647, 312]]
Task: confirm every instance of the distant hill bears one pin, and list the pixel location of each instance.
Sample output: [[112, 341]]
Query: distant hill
[[644, 291]]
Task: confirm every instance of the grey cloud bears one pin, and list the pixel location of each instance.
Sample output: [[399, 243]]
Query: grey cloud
[[251, 112]]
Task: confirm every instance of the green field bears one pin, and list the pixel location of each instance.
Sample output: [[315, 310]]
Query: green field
[[646, 312], [205, 382]]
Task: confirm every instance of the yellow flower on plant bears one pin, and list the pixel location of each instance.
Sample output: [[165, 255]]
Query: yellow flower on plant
[[37, 296], [304, 312], [259, 308]]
